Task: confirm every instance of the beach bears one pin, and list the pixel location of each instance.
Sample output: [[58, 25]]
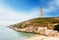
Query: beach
[[42, 37]]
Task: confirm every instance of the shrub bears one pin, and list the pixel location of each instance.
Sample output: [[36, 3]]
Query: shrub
[[56, 27]]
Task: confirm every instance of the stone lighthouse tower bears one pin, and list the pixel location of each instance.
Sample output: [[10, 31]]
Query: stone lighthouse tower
[[41, 13]]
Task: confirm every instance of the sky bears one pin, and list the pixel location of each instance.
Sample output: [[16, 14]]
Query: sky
[[15, 11]]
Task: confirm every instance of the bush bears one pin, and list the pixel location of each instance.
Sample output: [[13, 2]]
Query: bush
[[56, 27]]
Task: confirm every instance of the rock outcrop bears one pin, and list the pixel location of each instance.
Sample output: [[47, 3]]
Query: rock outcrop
[[39, 30], [43, 26]]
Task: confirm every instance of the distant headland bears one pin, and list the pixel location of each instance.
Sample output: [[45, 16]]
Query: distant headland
[[37, 25]]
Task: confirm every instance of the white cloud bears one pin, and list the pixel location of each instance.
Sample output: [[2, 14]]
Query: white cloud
[[52, 6], [9, 16]]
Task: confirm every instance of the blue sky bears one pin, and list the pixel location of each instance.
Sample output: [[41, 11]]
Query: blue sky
[[25, 5], [14, 11]]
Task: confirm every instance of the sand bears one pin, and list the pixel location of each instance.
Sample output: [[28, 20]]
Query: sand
[[42, 37]]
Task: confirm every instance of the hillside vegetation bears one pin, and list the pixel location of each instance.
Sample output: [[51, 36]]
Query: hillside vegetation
[[48, 22]]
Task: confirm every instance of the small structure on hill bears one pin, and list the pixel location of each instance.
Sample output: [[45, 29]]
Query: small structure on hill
[[41, 13]]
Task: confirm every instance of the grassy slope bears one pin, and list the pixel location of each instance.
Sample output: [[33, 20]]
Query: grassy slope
[[43, 22]]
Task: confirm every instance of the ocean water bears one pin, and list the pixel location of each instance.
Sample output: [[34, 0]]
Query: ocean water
[[9, 34]]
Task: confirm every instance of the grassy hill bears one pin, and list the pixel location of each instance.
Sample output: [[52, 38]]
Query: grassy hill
[[48, 22]]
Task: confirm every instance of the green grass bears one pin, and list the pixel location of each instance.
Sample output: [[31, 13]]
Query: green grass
[[38, 21]]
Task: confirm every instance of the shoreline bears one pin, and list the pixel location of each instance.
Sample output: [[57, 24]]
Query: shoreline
[[51, 36], [42, 37]]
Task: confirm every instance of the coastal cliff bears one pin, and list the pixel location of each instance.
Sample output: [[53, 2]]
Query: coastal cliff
[[37, 25]]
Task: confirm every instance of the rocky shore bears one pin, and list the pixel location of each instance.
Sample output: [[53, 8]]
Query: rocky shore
[[42, 33], [38, 30], [41, 26]]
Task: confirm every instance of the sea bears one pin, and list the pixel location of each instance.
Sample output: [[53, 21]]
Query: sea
[[8, 34]]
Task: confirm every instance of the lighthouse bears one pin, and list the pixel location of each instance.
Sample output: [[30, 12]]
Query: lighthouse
[[41, 13]]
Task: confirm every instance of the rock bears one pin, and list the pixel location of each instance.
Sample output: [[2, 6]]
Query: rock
[[51, 33], [39, 30]]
